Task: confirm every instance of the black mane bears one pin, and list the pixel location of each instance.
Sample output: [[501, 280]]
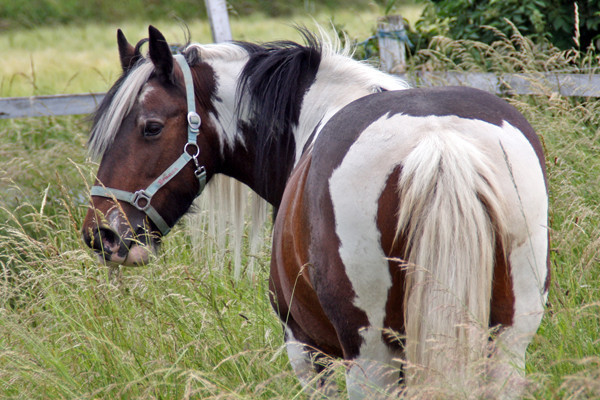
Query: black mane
[[272, 84]]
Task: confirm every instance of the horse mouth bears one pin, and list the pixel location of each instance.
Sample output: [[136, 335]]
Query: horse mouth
[[126, 248], [137, 255]]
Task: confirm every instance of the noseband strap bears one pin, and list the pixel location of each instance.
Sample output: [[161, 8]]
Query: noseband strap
[[141, 199]]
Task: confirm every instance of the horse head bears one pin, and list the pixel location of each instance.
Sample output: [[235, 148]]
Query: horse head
[[157, 148]]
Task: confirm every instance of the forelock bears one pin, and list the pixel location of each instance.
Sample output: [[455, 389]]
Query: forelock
[[115, 107]]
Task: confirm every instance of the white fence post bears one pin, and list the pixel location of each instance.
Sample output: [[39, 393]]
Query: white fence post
[[391, 35], [219, 20]]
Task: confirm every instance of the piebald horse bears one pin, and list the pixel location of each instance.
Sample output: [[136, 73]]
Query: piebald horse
[[410, 237]]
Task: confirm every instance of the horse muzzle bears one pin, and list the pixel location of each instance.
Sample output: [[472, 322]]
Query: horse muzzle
[[118, 240]]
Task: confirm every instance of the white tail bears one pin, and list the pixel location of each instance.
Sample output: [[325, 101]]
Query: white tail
[[450, 218]]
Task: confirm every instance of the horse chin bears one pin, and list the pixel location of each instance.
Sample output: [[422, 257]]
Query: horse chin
[[138, 255]]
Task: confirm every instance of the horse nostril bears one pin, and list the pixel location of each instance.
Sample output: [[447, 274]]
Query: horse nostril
[[101, 239], [109, 238]]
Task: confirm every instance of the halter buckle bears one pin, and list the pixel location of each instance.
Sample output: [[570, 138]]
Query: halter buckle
[[194, 121], [141, 195], [200, 172]]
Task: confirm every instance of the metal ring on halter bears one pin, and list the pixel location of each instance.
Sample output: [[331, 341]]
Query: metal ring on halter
[[194, 120], [141, 195], [185, 149]]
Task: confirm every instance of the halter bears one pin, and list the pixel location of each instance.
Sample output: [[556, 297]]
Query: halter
[[142, 198]]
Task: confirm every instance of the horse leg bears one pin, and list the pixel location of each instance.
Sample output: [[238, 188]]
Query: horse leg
[[528, 269], [303, 354], [376, 371], [373, 369], [309, 365]]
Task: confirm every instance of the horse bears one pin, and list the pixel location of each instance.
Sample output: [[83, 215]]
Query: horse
[[410, 234]]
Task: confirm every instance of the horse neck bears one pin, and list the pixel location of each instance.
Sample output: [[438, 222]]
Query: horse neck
[[339, 81], [237, 146]]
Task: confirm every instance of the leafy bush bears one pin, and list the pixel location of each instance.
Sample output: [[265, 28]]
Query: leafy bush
[[554, 20]]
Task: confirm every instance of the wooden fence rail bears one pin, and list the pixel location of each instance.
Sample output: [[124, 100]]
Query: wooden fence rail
[[571, 85], [43, 106], [581, 85]]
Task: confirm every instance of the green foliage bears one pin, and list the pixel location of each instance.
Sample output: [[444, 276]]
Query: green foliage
[[538, 19]]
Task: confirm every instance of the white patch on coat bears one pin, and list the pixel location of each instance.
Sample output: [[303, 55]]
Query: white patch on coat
[[145, 92], [355, 188], [226, 101], [375, 376], [528, 265], [299, 359]]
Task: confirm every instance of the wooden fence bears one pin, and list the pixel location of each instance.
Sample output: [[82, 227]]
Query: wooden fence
[[42, 106], [392, 48], [581, 85], [571, 85]]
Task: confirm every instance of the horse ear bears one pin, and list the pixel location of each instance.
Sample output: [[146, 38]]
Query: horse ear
[[160, 53], [127, 52]]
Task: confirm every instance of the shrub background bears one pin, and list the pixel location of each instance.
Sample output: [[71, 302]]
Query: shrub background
[[553, 20]]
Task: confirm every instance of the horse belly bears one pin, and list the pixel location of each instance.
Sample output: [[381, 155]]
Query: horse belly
[[294, 297]]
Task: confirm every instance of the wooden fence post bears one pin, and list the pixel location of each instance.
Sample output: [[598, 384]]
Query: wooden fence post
[[219, 20], [391, 35]]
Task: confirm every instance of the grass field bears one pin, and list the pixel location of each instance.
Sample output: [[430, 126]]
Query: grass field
[[83, 58], [182, 327]]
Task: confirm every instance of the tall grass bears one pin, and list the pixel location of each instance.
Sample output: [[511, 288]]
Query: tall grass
[[179, 328], [182, 327]]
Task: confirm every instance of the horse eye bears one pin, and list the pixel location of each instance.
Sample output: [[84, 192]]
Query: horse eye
[[152, 128]]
